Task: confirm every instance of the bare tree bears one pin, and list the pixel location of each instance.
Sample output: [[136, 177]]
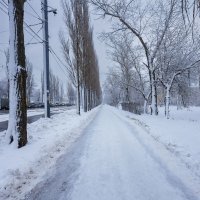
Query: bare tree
[[3, 88], [71, 94], [29, 81], [187, 6], [113, 88], [72, 15], [55, 86], [61, 93], [128, 68], [79, 54], [177, 55], [131, 17], [123, 56], [42, 86], [17, 127], [6, 52]]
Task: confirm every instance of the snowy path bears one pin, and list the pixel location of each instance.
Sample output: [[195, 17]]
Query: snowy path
[[110, 162]]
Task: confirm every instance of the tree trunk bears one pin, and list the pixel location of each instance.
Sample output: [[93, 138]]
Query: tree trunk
[[145, 107], [78, 100], [154, 105], [89, 100], [78, 56], [167, 102], [17, 127], [85, 99], [127, 95], [7, 71]]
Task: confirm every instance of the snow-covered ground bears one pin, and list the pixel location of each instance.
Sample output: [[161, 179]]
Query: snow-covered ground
[[121, 161], [118, 160], [5, 117], [106, 154], [48, 139], [180, 134], [33, 112]]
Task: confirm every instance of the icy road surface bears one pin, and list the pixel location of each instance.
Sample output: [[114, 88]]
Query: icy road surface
[[111, 162]]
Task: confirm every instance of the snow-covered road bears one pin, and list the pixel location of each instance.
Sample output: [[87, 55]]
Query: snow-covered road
[[111, 162]]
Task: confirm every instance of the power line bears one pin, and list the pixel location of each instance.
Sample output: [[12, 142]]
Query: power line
[[6, 6], [33, 43], [32, 15], [33, 31], [3, 10], [60, 67], [34, 10], [26, 12], [33, 34], [35, 24], [57, 56], [61, 62], [34, 37], [3, 4]]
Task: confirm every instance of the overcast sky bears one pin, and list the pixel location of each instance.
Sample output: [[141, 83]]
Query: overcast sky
[[34, 52]]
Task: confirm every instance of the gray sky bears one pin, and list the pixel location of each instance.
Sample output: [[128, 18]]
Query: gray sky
[[34, 52]]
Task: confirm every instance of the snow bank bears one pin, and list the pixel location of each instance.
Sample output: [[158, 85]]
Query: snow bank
[[21, 169], [180, 134], [38, 111], [176, 166], [5, 117]]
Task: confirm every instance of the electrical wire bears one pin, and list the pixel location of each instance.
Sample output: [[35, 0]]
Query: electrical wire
[[37, 17], [34, 10], [3, 10], [34, 37], [34, 34], [56, 58], [3, 4]]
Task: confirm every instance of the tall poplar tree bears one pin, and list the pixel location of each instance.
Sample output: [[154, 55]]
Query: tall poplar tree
[[17, 127]]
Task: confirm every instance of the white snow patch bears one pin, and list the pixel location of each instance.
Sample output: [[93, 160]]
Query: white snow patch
[[180, 134], [122, 161], [38, 111], [21, 169]]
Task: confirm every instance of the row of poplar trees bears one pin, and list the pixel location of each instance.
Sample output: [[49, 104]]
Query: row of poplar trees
[[81, 62], [79, 54]]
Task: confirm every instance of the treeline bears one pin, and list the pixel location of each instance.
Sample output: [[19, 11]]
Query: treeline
[[80, 57], [79, 54], [4, 83], [59, 93], [155, 51], [57, 90]]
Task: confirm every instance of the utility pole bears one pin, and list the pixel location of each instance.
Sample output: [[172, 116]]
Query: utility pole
[[46, 58]]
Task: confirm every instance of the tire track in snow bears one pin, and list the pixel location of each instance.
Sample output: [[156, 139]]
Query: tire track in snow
[[174, 180]]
